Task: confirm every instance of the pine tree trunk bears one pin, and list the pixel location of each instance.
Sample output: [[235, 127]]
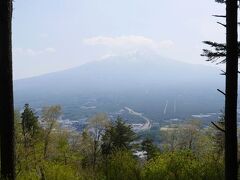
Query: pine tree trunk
[[231, 164], [6, 92]]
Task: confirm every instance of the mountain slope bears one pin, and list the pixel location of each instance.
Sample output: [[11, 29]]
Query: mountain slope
[[146, 83]]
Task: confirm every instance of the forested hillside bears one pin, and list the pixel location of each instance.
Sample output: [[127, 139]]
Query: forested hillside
[[111, 150]]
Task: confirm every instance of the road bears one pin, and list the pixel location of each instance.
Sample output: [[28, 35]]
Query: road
[[147, 125]]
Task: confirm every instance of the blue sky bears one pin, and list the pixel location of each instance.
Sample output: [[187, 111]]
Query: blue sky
[[52, 35]]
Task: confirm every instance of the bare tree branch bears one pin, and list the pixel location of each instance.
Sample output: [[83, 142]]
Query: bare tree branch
[[221, 92], [221, 16], [219, 128], [224, 25]]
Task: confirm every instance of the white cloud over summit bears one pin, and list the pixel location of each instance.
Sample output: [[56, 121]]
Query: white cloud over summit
[[32, 52], [129, 43]]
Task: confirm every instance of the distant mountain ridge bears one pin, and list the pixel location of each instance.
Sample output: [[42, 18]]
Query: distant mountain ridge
[[130, 71], [140, 81]]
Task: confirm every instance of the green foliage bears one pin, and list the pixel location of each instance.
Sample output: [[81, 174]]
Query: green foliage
[[28, 175], [85, 149], [29, 122], [96, 127], [122, 165], [183, 164], [56, 171], [54, 153], [182, 136], [51, 171], [150, 148], [51, 113], [50, 116], [119, 135], [218, 136]]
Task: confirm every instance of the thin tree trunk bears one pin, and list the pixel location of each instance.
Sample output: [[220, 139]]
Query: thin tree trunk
[[6, 92], [231, 165], [45, 147], [94, 155], [46, 141]]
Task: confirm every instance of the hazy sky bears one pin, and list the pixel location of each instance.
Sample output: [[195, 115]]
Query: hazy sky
[[51, 35]]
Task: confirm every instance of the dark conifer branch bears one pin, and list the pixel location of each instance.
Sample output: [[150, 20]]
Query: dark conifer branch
[[221, 16], [221, 92], [220, 1], [223, 73], [219, 128], [224, 25], [218, 52]]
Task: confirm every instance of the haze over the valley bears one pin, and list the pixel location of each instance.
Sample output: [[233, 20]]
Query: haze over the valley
[[160, 88]]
